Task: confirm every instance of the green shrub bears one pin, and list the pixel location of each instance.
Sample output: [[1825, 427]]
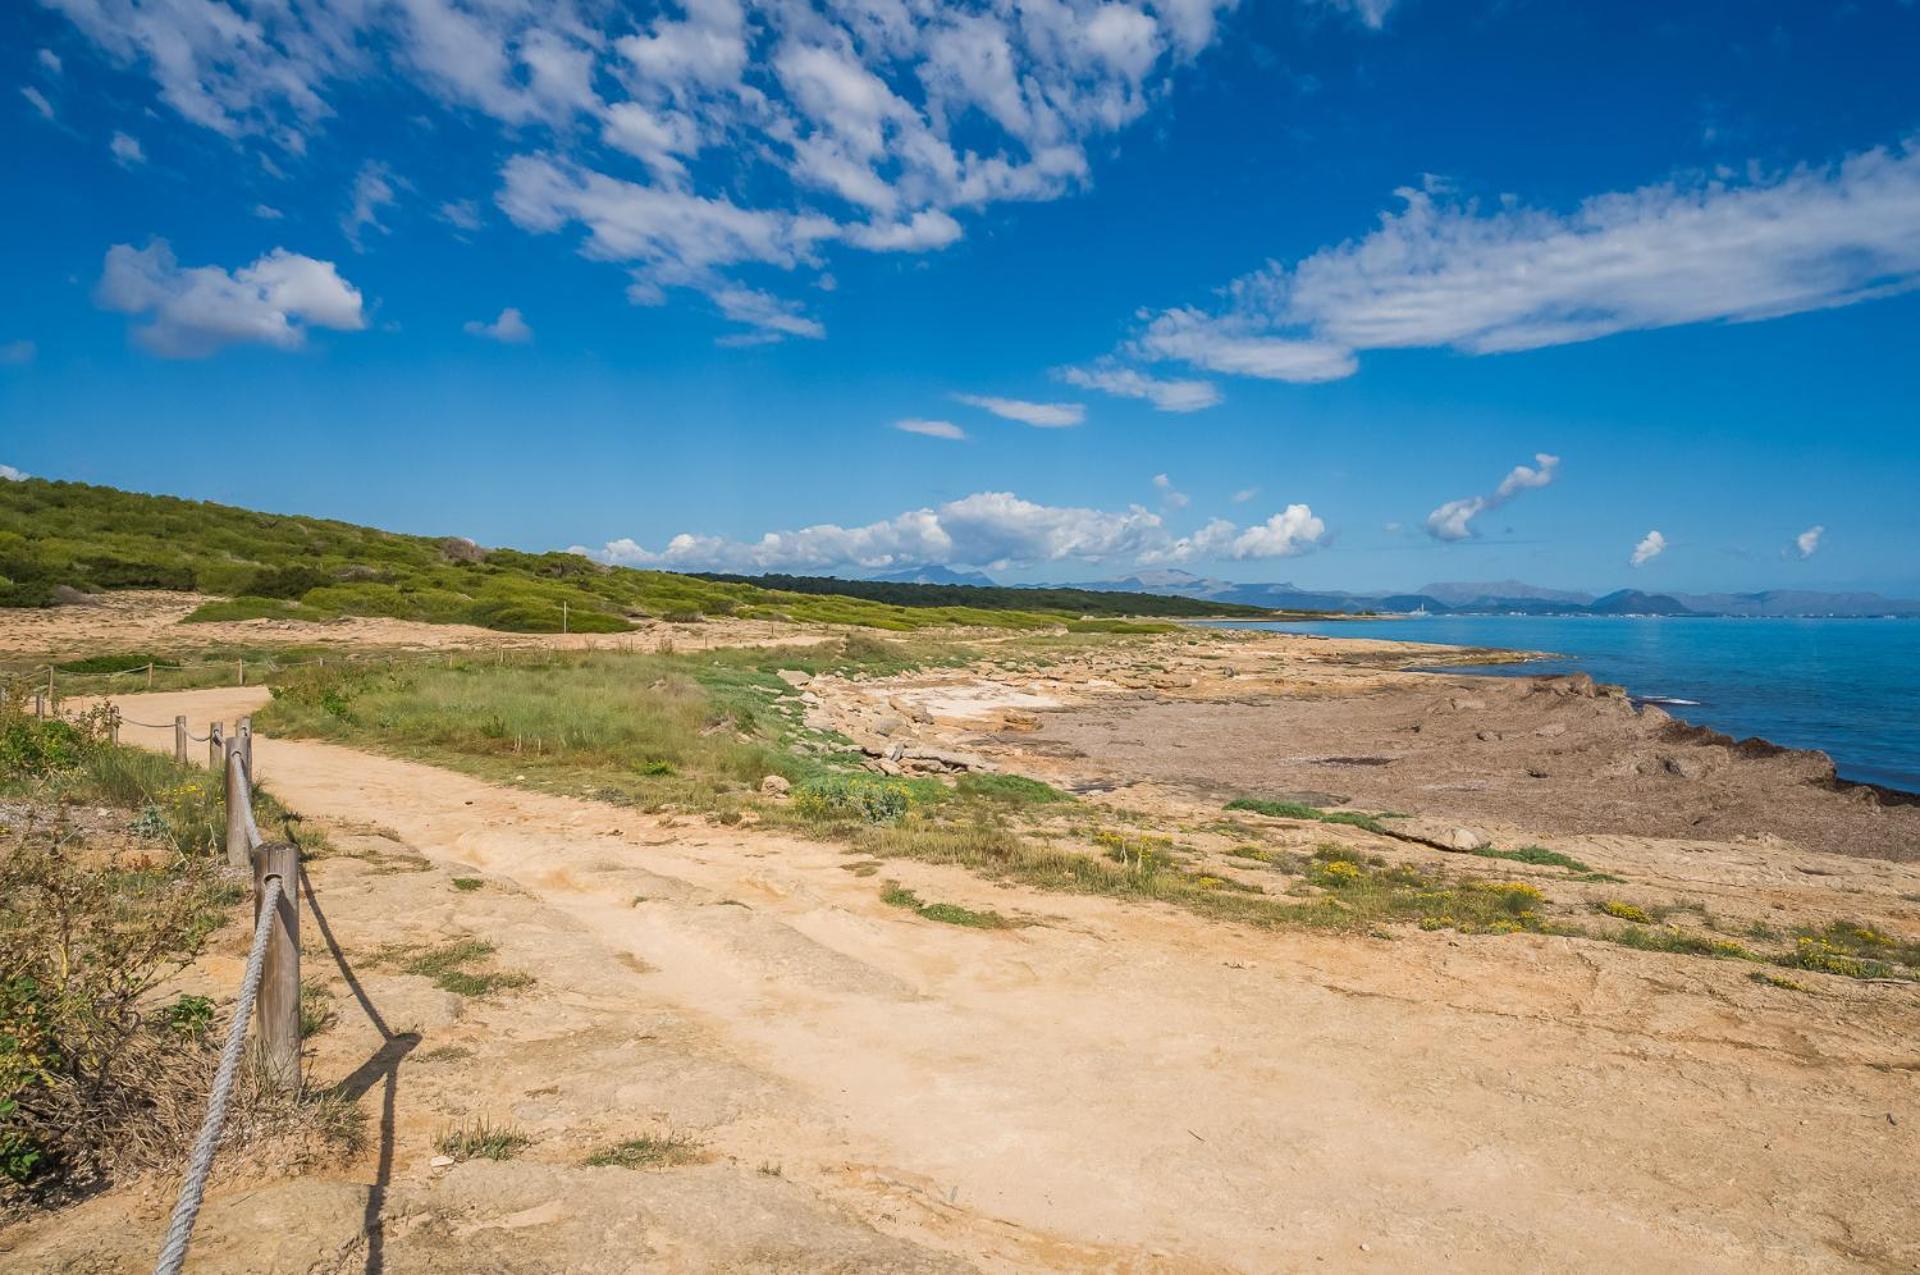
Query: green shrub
[[849, 797]]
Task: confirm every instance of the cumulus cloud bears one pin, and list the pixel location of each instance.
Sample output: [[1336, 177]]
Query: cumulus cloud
[[194, 311], [18, 353], [932, 429], [509, 329], [37, 100], [1808, 541], [9, 474], [1651, 546], [990, 530], [1041, 415], [1454, 520], [766, 125], [1166, 395], [126, 150], [1443, 271]]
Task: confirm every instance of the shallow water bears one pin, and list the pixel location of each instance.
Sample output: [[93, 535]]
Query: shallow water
[[1848, 687]]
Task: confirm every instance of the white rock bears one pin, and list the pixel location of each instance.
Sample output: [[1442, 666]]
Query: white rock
[[775, 786], [1467, 839]]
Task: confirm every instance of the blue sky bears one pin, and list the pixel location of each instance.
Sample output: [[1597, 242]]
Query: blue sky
[[1357, 294]]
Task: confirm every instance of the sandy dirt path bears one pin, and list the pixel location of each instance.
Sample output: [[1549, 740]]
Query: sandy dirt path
[[1127, 1087]]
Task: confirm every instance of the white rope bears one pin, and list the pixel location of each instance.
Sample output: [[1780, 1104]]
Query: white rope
[[173, 1254], [254, 839]]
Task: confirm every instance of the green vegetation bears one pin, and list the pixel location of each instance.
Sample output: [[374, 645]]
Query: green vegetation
[[1537, 855], [481, 1141], [895, 895], [647, 1152], [1625, 911], [467, 884], [449, 966], [1083, 602], [57, 537], [854, 796], [1300, 810], [1011, 790]]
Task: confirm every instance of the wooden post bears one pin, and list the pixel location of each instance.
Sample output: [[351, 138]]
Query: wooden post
[[216, 747], [279, 1004], [53, 701], [563, 617], [149, 674], [39, 704], [243, 670], [245, 727], [113, 725], [180, 739], [238, 851]]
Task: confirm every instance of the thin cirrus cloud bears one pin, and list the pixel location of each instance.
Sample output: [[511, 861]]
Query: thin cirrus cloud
[[1454, 520], [1651, 546], [126, 150], [37, 100], [193, 311], [1039, 415], [931, 429], [840, 119], [991, 530], [510, 328], [1124, 382], [1443, 272]]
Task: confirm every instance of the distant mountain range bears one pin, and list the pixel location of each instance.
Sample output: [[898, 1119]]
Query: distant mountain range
[[936, 575], [1509, 597]]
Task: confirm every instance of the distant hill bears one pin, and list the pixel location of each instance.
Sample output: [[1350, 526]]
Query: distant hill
[[1510, 597], [1085, 602], [62, 541], [935, 575]]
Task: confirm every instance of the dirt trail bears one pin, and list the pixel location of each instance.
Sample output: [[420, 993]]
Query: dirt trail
[[1116, 1086]]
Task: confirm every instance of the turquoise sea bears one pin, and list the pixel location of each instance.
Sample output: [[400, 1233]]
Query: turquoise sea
[[1848, 687]]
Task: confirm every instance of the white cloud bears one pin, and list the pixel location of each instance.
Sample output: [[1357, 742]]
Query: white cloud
[[1041, 415], [768, 316], [372, 191], [509, 329], [770, 126], [126, 150], [9, 474], [1445, 272], [49, 60], [1166, 396], [38, 100], [1245, 494], [932, 429], [1372, 13], [1651, 546], [18, 353], [1170, 496], [1454, 520], [195, 311], [267, 212], [1809, 540], [461, 214], [990, 530]]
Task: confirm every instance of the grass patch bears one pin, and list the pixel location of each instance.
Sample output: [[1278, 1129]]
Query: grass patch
[[481, 1140], [1540, 856], [1300, 810], [1778, 980], [895, 895], [467, 885], [648, 1152], [316, 1009], [450, 967], [1013, 790]]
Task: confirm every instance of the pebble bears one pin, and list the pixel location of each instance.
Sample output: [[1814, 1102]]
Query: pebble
[[441, 1161]]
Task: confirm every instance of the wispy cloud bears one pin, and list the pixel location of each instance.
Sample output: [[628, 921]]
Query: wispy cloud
[[1170, 497], [1808, 541], [372, 190], [126, 150], [1446, 272], [37, 100], [49, 61], [1454, 520], [1166, 395], [932, 429], [991, 530], [194, 311], [1245, 494], [1041, 415], [509, 329], [1651, 546]]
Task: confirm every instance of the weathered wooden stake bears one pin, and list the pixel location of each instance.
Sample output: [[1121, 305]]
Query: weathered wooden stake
[[53, 701], [238, 851], [39, 704], [180, 736], [243, 670], [245, 729], [149, 674], [279, 1004], [216, 747]]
